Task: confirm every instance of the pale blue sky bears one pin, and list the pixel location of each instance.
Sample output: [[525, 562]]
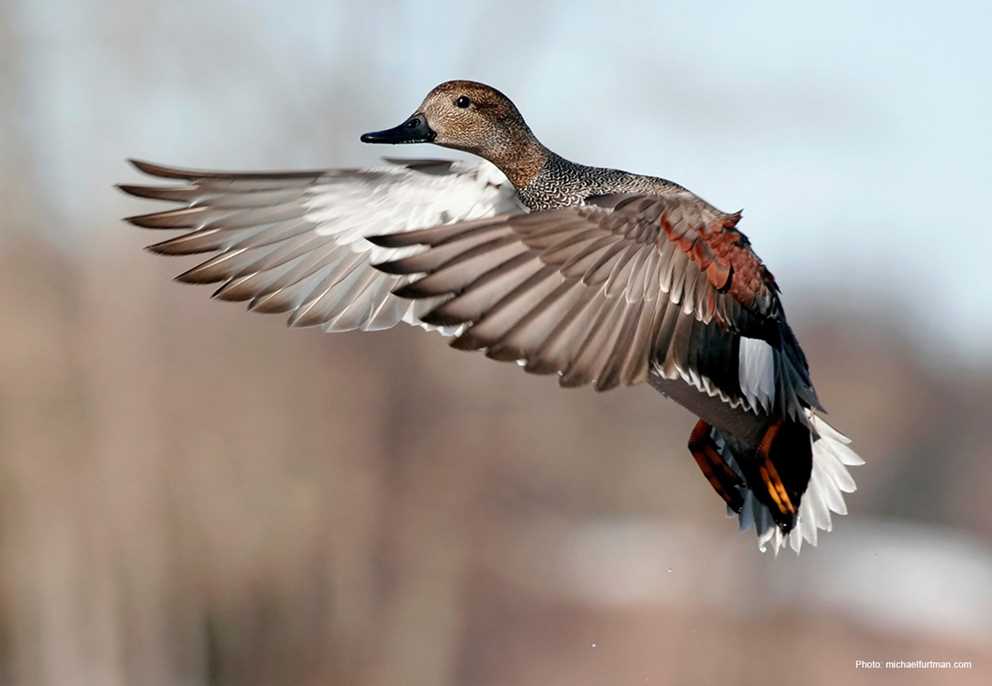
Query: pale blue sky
[[856, 136]]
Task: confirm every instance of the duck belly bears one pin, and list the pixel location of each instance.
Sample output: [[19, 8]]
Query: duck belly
[[737, 422]]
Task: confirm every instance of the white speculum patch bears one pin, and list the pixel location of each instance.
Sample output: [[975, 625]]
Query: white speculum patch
[[756, 373]]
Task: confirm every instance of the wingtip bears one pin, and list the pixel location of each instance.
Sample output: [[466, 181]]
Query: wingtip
[[135, 190], [409, 291], [385, 240], [136, 220], [197, 277], [131, 189], [467, 342], [437, 317], [147, 221], [403, 239], [142, 165], [163, 172], [390, 267]]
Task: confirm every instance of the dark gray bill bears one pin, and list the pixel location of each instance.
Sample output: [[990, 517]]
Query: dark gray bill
[[413, 130]]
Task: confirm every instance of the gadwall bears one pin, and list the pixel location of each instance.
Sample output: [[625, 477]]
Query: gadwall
[[596, 275]]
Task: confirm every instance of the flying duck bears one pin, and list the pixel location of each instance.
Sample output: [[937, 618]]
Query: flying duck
[[597, 276]]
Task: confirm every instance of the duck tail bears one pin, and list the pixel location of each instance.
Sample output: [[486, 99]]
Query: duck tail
[[828, 480]]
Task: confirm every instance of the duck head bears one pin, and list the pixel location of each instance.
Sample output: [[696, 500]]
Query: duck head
[[476, 118]]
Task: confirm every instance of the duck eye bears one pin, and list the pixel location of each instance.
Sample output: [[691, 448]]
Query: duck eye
[[462, 102]]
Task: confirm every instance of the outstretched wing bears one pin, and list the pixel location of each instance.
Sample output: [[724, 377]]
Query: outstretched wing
[[295, 241], [605, 292]]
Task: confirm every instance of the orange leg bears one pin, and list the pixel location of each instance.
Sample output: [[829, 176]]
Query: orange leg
[[769, 475], [722, 478]]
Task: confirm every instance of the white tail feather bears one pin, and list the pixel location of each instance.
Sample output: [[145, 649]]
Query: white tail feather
[[828, 483]]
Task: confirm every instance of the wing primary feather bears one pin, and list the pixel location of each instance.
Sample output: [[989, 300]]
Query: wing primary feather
[[611, 374], [182, 218], [164, 172], [509, 309], [554, 353], [435, 235], [458, 273], [587, 362], [483, 293], [192, 243], [184, 194], [637, 364]]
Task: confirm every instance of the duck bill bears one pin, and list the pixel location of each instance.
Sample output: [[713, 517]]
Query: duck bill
[[413, 130]]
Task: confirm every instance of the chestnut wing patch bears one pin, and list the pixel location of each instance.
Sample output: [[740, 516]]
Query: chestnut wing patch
[[716, 247]]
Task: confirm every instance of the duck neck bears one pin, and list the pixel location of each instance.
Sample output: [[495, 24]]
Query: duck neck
[[519, 155]]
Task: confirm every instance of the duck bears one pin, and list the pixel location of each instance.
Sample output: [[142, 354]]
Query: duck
[[598, 277]]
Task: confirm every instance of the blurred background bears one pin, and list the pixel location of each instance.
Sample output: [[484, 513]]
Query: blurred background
[[193, 495]]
